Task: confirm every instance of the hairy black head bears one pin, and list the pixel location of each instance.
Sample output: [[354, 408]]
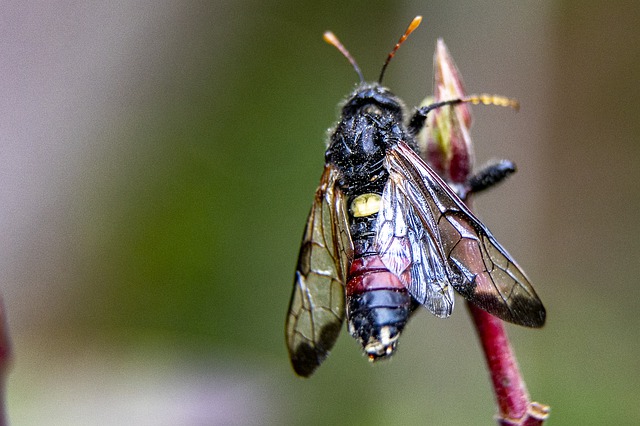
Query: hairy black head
[[371, 122], [373, 98]]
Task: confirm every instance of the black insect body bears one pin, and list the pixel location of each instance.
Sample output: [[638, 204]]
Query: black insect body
[[378, 301], [386, 234]]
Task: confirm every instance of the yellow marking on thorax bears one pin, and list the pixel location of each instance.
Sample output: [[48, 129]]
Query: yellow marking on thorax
[[365, 205]]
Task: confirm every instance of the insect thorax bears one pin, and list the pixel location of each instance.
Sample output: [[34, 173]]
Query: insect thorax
[[371, 122]]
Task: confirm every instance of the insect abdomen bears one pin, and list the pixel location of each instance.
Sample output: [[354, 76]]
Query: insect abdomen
[[378, 305]]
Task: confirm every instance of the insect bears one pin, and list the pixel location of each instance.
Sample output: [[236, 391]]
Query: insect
[[386, 234]]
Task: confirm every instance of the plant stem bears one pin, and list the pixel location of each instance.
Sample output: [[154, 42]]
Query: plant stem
[[514, 405]]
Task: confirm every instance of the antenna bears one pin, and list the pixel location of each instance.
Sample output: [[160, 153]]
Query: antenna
[[412, 26], [331, 38]]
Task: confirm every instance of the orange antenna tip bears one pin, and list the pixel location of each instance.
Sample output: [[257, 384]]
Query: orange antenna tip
[[412, 26], [331, 38]]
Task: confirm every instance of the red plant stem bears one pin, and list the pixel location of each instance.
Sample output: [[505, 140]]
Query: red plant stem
[[509, 387], [514, 405]]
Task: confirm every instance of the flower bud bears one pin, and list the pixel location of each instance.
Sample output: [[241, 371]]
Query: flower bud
[[445, 143]]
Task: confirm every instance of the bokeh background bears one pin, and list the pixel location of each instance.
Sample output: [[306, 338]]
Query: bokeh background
[[158, 160]]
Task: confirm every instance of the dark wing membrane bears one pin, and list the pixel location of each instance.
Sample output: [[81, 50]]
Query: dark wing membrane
[[316, 310], [409, 247], [481, 270]]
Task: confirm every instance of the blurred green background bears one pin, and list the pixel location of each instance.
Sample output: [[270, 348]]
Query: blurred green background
[[159, 160]]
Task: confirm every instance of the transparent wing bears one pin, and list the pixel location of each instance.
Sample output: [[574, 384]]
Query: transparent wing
[[479, 268], [410, 248], [316, 309]]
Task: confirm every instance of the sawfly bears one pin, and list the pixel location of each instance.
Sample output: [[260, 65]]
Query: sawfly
[[386, 234]]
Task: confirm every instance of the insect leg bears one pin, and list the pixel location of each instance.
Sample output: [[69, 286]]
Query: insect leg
[[420, 116], [489, 176]]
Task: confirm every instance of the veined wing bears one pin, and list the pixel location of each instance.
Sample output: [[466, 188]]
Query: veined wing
[[408, 245], [479, 268], [317, 306]]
